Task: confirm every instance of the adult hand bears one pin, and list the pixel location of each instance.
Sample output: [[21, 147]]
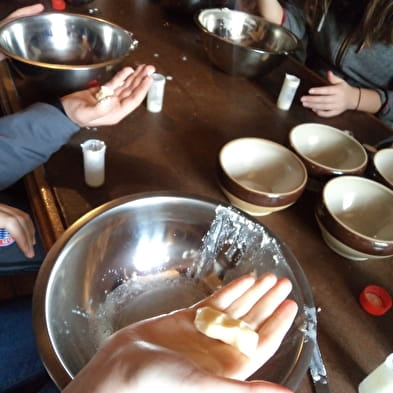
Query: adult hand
[[25, 11], [20, 226], [130, 88], [331, 100], [168, 354]]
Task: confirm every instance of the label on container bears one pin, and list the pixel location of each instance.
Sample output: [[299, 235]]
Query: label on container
[[5, 238]]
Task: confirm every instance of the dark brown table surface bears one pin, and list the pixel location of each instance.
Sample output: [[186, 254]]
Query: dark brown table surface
[[176, 150]]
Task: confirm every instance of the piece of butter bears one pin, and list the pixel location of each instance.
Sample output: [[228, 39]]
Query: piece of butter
[[218, 325], [103, 93]]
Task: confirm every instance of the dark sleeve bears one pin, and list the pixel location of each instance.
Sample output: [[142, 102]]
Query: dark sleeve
[[29, 137], [386, 111], [295, 21]]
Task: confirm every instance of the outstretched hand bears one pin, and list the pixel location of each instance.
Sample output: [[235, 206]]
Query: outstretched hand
[[333, 99], [168, 354], [130, 88], [20, 226]]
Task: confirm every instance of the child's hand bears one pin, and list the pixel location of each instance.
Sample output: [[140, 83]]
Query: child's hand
[[331, 100]]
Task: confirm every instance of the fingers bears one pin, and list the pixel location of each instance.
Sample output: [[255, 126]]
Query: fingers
[[26, 11], [242, 306], [326, 101], [333, 79], [273, 330], [212, 384], [253, 301], [224, 297], [137, 85], [267, 304], [20, 226], [120, 78]]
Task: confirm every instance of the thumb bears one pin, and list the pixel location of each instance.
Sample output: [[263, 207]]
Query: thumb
[[214, 384], [333, 79]]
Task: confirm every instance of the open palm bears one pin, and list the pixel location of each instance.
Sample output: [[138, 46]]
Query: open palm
[[169, 354]]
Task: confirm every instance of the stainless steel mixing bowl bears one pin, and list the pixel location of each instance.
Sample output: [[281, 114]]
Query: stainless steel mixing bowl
[[144, 255], [63, 52], [244, 44]]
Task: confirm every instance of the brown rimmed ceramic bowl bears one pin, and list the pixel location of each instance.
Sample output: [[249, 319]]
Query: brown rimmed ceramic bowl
[[328, 151], [355, 215], [383, 165], [259, 176]]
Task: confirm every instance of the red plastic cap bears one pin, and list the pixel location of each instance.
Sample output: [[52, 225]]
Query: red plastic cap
[[58, 5], [375, 300]]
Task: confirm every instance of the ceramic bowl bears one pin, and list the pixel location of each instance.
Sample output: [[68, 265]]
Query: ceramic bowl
[[355, 215], [260, 176], [328, 151], [383, 166], [244, 44], [143, 255]]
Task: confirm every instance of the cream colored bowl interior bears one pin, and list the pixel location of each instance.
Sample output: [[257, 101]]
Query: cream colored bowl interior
[[262, 165], [361, 205], [328, 146], [383, 161]]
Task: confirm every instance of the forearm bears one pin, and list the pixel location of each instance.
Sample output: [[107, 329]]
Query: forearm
[[28, 138], [271, 10]]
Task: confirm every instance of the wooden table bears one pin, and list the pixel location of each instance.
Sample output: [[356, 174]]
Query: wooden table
[[176, 150]]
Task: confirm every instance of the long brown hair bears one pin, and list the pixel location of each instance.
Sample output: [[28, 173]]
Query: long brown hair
[[375, 25]]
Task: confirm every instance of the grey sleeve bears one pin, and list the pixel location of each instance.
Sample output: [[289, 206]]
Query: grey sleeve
[[386, 111], [295, 21], [29, 137]]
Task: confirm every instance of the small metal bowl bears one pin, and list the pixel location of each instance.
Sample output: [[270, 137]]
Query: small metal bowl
[[148, 254], [243, 44], [63, 52]]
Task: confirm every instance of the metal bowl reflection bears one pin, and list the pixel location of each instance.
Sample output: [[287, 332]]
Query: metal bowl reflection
[[144, 255], [63, 52], [244, 44]]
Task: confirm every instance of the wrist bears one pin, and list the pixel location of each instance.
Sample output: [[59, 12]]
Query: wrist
[[56, 102], [358, 98]]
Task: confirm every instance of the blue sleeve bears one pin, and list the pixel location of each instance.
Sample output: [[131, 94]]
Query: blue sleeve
[[29, 137]]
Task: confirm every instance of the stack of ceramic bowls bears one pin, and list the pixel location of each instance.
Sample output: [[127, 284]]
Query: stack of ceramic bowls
[[259, 176], [355, 216]]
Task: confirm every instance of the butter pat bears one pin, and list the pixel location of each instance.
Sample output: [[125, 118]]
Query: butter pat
[[103, 93], [221, 326]]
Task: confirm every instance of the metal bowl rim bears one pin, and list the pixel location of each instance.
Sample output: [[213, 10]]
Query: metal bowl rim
[[257, 50], [54, 66], [48, 353]]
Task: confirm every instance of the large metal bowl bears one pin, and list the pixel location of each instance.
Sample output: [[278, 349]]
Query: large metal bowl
[[63, 52], [244, 44], [144, 255]]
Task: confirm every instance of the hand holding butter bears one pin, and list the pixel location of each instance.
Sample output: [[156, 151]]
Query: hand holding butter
[[230, 334], [199, 348]]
